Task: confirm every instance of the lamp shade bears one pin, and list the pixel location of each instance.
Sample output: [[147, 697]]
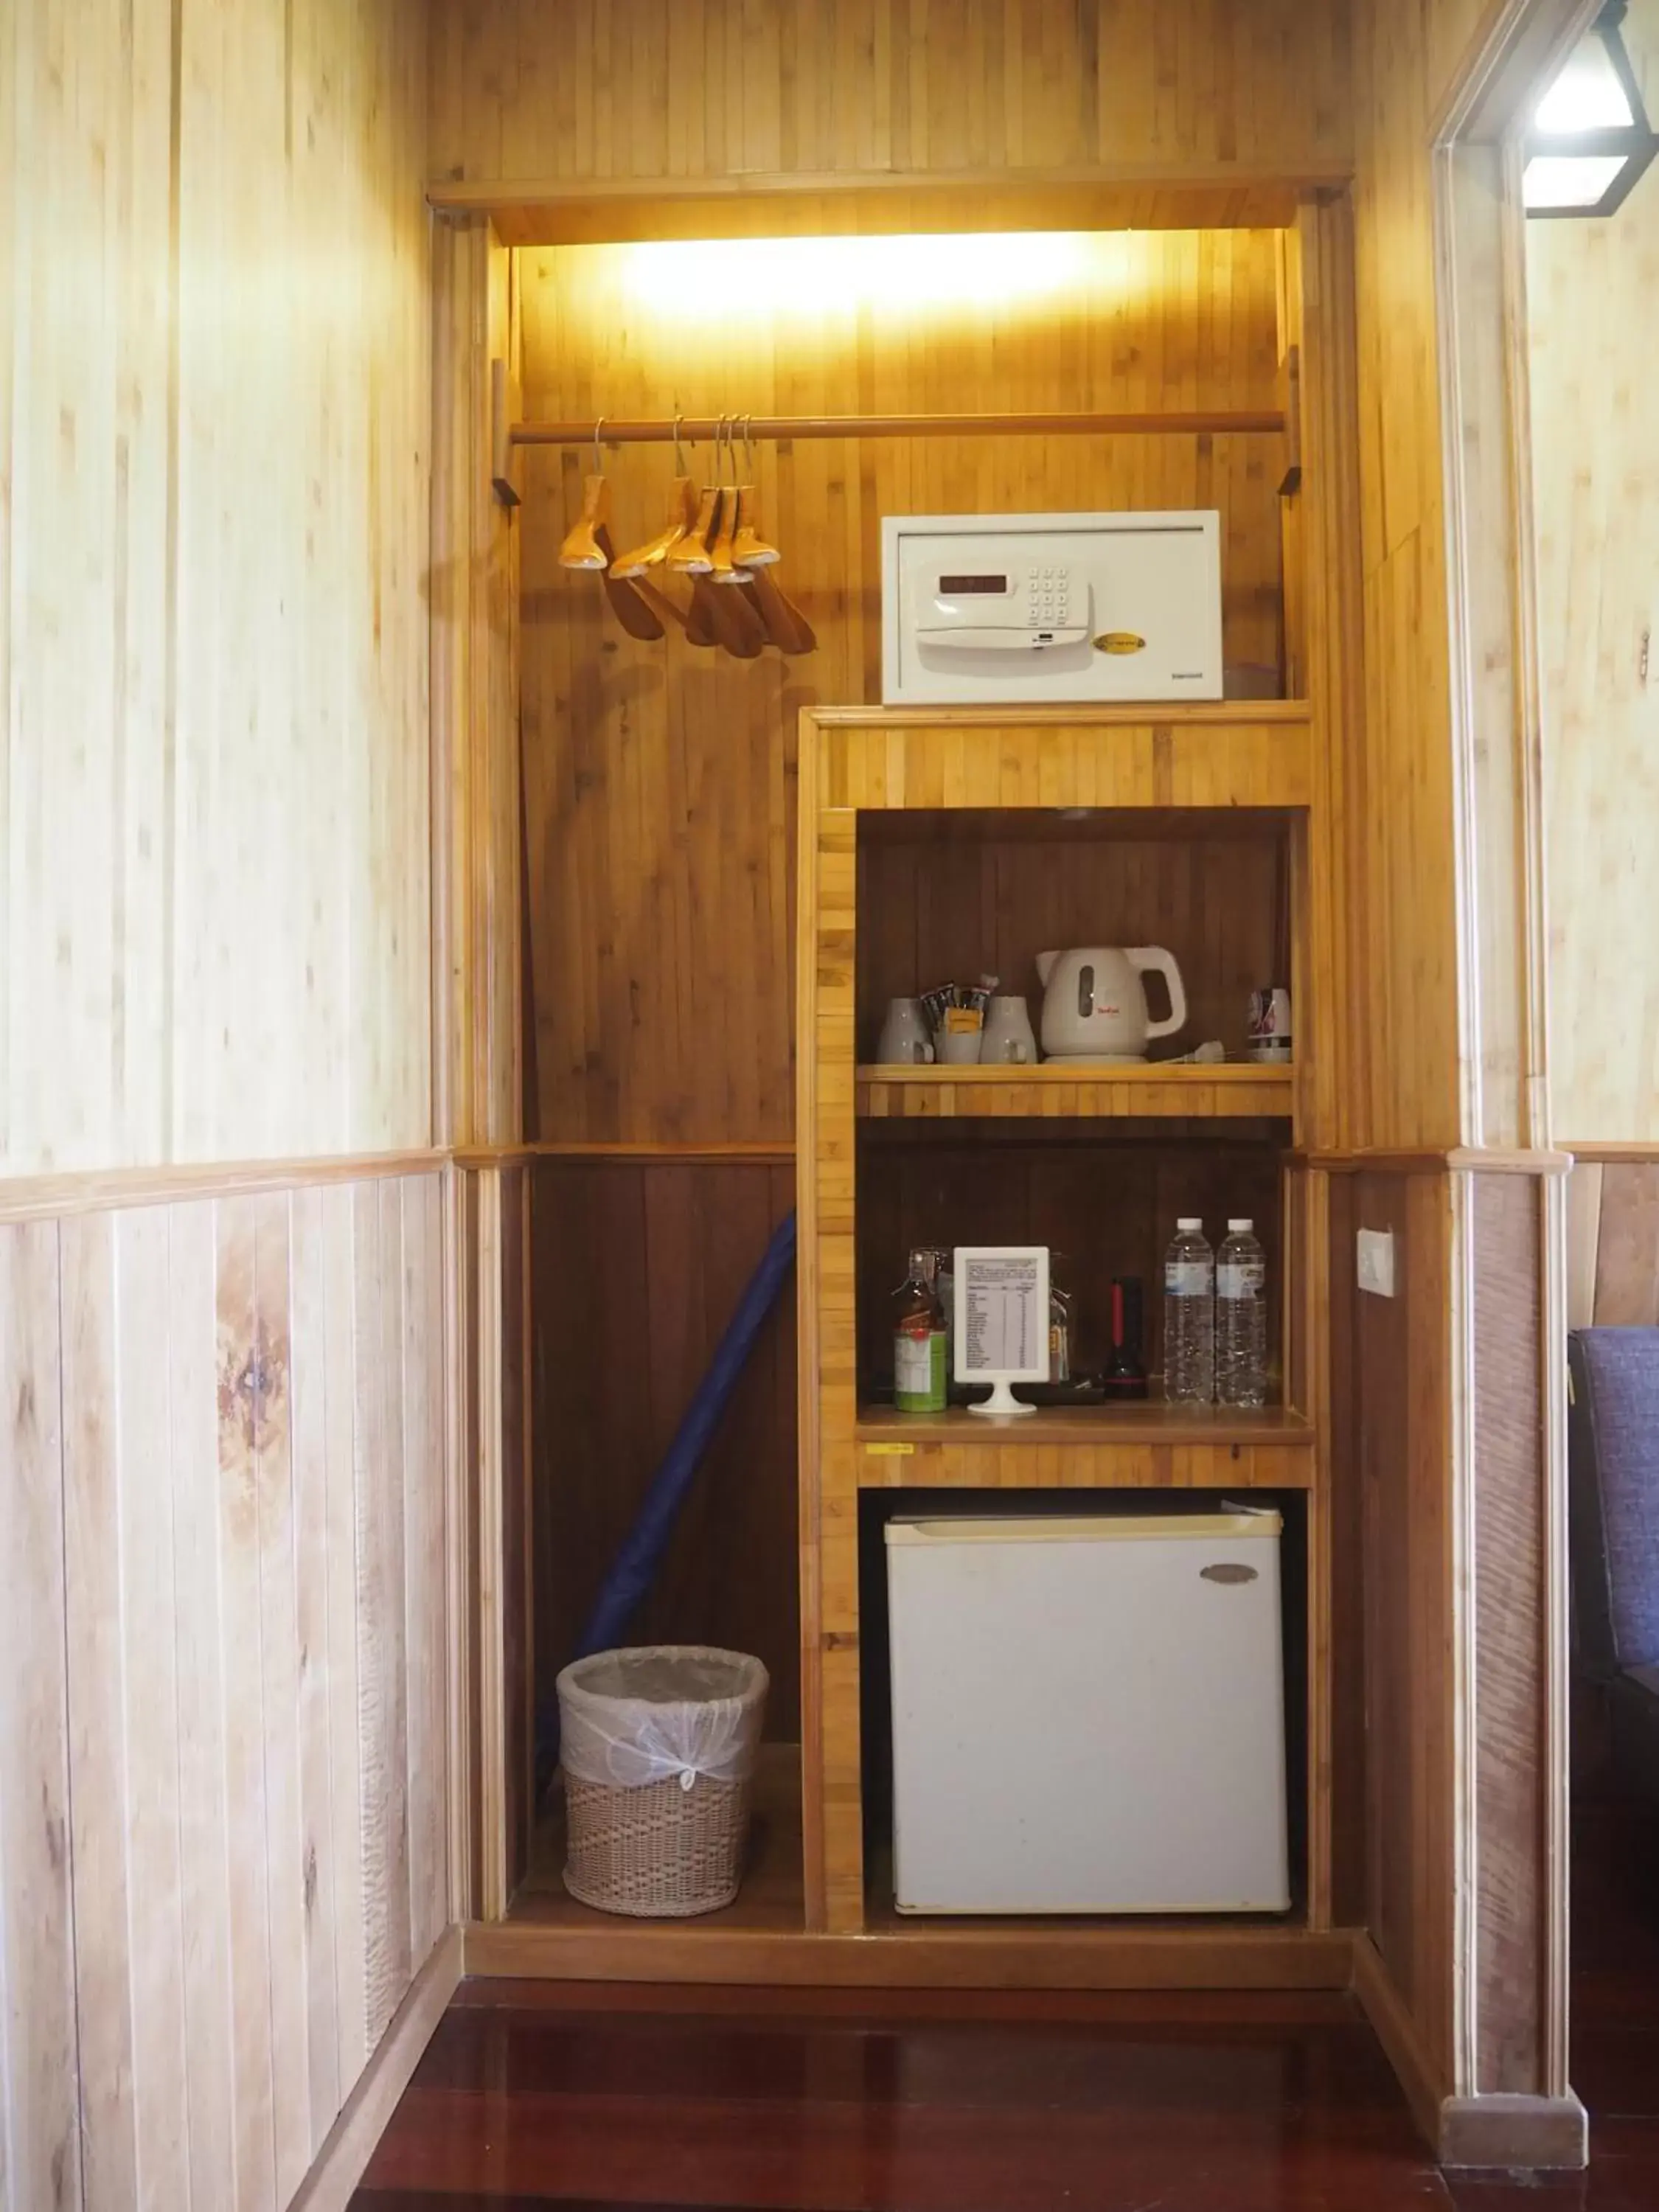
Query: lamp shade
[[1590, 139]]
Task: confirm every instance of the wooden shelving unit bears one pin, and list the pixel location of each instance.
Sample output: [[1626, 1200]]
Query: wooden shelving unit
[[928, 839], [1054, 1090]]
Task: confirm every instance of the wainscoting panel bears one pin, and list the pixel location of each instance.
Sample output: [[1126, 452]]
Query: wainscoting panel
[[223, 1851]]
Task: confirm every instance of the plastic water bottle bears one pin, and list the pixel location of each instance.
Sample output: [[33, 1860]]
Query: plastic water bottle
[[1241, 1319], [1189, 1317]]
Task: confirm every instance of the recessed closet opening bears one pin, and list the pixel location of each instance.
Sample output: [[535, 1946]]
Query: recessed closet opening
[[659, 817]]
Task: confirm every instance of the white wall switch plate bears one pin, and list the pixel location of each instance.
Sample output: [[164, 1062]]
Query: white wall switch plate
[[1376, 1261]]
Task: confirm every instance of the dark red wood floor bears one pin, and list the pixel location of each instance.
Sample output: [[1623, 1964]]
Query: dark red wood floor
[[598, 2097]]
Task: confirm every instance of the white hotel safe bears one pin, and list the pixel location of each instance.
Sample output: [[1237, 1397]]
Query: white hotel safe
[[982, 609]]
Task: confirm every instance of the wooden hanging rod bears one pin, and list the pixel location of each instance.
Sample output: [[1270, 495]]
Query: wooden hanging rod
[[701, 428]]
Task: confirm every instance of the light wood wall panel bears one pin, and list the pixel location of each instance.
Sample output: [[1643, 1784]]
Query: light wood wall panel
[[215, 422], [705, 88], [1403, 797], [1590, 289], [222, 1761], [659, 781], [1612, 1243]]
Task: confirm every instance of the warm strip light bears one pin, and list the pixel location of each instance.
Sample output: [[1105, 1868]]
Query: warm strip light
[[730, 277]]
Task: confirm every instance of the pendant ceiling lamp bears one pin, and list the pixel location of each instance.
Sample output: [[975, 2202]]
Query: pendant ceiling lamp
[[1590, 138]]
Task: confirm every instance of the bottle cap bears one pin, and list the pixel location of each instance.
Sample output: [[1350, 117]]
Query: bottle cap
[[1239, 1227], [1187, 1221]]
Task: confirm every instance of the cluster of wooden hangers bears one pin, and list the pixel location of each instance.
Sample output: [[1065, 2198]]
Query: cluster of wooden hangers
[[713, 540]]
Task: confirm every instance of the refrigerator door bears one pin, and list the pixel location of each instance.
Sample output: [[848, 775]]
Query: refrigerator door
[[1088, 1714]]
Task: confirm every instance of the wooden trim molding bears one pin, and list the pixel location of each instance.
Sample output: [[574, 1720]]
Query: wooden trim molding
[[53, 1198], [1513, 2132], [1113, 1958], [1384, 2007], [350, 2144]]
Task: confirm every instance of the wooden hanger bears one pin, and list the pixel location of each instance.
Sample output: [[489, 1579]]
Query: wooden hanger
[[691, 555], [682, 514], [631, 610], [785, 625], [749, 548], [582, 548]]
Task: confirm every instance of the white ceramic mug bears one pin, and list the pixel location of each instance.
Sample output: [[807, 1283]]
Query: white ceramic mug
[[905, 1039], [1007, 1040], [959, 1047]]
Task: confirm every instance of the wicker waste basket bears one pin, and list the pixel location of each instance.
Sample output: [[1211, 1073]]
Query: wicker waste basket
[[658, 1747]]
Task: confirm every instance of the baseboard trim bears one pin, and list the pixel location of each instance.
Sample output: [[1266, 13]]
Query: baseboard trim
[[1107, 1958], [339, 2166], [1383, 2006], [1514, 2132]]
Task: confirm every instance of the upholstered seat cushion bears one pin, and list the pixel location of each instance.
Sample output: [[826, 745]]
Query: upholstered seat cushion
[[1614, 1496]]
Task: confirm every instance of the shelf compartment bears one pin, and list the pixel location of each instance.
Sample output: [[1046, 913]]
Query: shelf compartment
[[1233, 1090], [1153, 1446]]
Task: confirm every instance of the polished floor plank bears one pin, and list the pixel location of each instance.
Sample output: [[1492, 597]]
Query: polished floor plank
[[617, 2098]]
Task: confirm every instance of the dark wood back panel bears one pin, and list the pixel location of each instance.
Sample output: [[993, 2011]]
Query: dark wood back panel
[[942, 901], [1108, 1203], [638, 1266]]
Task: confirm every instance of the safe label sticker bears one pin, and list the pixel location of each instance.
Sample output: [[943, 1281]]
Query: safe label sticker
[[1120, 641]]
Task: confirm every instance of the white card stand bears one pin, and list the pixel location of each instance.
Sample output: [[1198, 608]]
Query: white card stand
[[1001, 1321]]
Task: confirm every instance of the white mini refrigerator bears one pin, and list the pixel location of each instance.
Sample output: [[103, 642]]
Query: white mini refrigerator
[[1088, 1714]]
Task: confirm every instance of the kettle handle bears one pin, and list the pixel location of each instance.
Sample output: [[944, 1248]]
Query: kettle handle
[[1143, 956]]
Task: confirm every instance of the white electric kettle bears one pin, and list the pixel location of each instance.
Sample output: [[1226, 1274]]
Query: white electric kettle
[[1094, 1004]]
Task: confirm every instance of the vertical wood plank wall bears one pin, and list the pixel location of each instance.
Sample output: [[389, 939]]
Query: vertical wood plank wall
[[660, 796], [224, 1829], [661, 779], [1612, 1243], [652, 90], [1450, 1413], [214, 425], [1591, 286], [223, 1846]]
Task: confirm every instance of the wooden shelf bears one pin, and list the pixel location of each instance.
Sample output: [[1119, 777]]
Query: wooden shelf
[[1148, 1447], [1152, 1421], [1055, 1089]]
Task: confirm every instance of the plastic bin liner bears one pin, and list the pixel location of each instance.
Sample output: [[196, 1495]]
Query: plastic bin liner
[[632, 1717]]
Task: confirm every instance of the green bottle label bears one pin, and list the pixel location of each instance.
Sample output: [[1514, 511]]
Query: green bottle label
[[918, 1371]]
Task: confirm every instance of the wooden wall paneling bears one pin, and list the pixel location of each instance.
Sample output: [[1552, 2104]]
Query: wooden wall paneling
[[1621, 1242], [1583, 1241], [1495, 721], [1399, 1353], [857, 89], [638, 1266], [351, 1907], [1510, 1778], [1106, 1202], [660, 782], [378, 1261], [1410, 1003], [99, 1844], [425, 1562], [193, 1383], [517, 1608], [940, 905], [1595, 463], [39, 2062], [238, 964], [242, 1373], [475, 567], [486, 1356], [1332, 1013], [211, 1663], [308, 1429], [269, 1385]]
